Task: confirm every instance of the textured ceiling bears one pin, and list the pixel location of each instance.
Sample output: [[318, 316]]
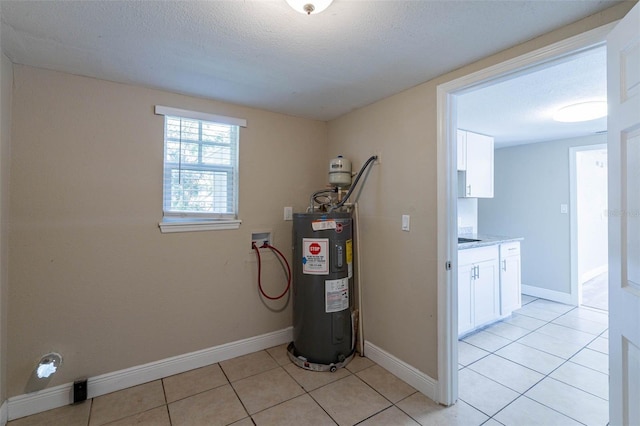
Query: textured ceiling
[[520, 110], [265, 55]]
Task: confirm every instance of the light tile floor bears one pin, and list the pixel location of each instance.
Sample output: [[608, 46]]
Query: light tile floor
[[595, 292], [546, 365]]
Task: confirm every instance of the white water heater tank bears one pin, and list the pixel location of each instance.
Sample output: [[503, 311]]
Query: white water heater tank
[[340, 172]]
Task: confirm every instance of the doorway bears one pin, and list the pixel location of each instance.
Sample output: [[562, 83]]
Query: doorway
[[589, 226], [447, 189]]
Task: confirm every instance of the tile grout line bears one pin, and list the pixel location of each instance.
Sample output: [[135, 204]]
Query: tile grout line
[[236, 393], [166, 402], [169, 414], [320, 405], [402, 411], [309, 392], [90, 411], [376, 391]]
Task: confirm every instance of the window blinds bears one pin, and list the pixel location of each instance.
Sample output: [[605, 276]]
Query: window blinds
[[200, 165]]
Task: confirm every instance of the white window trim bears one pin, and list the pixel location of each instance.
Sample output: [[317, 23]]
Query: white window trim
[[190, 226], [171, 225], [196, 115]]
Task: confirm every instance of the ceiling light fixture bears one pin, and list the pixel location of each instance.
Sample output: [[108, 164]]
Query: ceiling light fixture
[[584, 111], [309, 7]]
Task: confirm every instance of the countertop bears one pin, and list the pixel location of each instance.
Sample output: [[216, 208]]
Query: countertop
[[485, 240]]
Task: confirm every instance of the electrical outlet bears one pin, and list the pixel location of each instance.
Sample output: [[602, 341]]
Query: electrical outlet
[[79, 391]]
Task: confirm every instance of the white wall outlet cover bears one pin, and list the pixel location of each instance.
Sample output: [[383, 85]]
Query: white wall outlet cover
[[564, 208]]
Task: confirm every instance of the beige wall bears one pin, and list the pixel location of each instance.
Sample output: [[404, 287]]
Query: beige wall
[[91, 275], [399, 268]]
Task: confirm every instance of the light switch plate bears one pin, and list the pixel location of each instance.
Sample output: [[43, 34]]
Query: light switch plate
[[564, 209], [406, 222], [288, 213]]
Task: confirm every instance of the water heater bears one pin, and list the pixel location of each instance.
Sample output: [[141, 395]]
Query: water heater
[[322, 289], [323, 327]]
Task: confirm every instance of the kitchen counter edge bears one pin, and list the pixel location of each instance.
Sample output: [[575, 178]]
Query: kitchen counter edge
[[485, 240]]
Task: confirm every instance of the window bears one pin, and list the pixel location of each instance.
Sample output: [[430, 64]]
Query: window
[[200, 185]]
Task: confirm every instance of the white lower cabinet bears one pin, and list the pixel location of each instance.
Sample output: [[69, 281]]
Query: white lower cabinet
[[478, 287], [510, 278]]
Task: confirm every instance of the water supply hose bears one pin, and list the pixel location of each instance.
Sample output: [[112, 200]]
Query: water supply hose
[[269, 246], [322, 192]]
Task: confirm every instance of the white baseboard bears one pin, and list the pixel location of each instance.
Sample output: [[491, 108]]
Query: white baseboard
[[593, 273], [47, 399], [4, 416], [545, 293], [402, 370]]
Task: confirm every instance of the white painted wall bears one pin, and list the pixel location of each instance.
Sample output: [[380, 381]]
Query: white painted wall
[[531, 182], [467, 216], [592, 223]]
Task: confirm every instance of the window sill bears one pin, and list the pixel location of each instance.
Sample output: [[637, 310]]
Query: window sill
[[167, 227]]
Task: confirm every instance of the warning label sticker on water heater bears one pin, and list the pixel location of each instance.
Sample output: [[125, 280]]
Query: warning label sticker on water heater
[[323, 225], [349, 245], [315, 256], [336, 295]]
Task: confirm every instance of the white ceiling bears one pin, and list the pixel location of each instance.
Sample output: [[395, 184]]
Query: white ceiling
[[265, 55], [520, 110]]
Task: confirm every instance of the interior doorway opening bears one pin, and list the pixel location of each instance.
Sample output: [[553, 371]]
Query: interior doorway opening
[[448, 188], [589, 219]]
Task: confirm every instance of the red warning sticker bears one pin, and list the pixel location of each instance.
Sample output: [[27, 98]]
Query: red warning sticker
[[315, 256]]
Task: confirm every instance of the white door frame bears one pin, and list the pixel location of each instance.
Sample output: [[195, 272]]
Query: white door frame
[[447, 389], [576, 291]]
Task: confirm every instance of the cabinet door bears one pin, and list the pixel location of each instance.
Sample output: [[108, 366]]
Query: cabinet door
[[486, 292], [462, 150], [465, 305], [479, 174], [510, 284]]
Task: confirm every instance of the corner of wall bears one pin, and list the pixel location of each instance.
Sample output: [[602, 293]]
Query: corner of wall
[[6, 84]]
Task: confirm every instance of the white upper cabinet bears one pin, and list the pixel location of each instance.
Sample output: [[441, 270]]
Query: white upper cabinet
[[476, 177]]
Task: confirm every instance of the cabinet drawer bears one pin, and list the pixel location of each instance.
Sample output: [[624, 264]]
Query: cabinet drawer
[[476, 255], [510, 249]]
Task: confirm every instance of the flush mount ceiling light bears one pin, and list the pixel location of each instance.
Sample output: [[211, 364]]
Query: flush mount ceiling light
[[309, 7], [584, 111]]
